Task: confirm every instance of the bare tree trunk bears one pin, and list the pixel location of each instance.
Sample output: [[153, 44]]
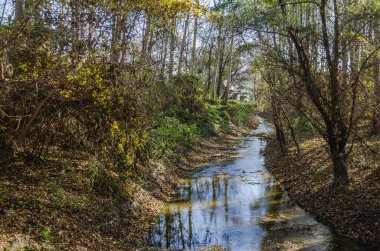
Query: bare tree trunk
[[77, 46], [214, 81], [2, 62], [345, 58], [183, 44], [164, 53], [123, 43], [90, 30], [218, 52], [19, 10], [146, 36], [277, 121], [254, 91], [193, 51], [220, 69], [172, 48], [209, 75], [376, 71], [339, 160], [1, 69], [115, 40], [229, 80], [337, 130]]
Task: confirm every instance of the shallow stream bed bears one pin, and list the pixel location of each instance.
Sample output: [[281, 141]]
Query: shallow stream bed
[[240, 206]]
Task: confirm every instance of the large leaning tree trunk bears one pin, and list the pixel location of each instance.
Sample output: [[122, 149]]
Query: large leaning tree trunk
[[271, 79], [278, 124], [323, 87]]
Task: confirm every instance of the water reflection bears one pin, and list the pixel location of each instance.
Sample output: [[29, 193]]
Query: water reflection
[[239, 206]]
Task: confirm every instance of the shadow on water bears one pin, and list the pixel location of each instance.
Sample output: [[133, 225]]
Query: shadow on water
[[240, 206]]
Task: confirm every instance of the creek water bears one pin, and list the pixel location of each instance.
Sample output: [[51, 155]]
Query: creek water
[[240, 206]]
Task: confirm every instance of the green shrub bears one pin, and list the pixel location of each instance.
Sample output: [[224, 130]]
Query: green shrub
[[184, 92], [47, 234], [241, 112], [302, 124], [172, 137], [93, 170], [217, 118]]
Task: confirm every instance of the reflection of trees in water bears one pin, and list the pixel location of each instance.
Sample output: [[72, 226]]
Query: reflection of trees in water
[[175, 228], [157, 233], [168, 221], [216, 183], [208, 200], [169, 231], [272, 196], [226, 199], [182, 238], [189, 209]]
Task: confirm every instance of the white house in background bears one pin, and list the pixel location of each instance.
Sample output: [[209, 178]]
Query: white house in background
[[243, 90], [241, 93]]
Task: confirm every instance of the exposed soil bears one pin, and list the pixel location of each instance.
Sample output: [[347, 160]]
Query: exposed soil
[[52, 205], [354, 210]]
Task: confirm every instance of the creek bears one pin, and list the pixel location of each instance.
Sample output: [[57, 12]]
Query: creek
[[240, 206]]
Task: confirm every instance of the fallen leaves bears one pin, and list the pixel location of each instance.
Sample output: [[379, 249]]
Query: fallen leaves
[[353, 211]]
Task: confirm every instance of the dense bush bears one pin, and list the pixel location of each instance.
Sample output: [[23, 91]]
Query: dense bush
[[90, 106], [182, 96], [241, 112], [172, 137], [184, 116]]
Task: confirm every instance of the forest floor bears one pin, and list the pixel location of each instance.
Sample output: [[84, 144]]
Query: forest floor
[[52, 205], [354, 210]]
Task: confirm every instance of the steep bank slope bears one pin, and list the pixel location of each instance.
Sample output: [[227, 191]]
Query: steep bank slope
[[354, 211], [55, 204]]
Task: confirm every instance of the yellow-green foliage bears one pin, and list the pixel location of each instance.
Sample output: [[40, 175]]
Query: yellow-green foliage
[[87, 81], [185, 92], [71, 95]]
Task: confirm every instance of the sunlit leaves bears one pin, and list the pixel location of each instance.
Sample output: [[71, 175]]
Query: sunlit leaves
[[167, 9]]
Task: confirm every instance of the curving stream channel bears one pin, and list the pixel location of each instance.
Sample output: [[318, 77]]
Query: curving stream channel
[[239, 206]]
